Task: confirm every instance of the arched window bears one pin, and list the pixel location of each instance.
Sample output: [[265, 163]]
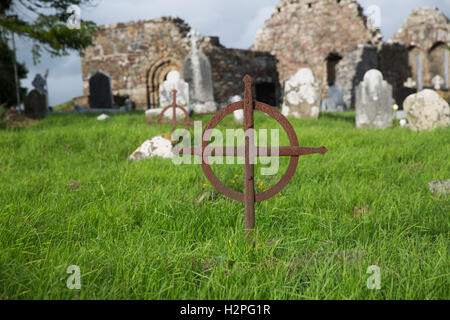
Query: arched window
[[437, 61]]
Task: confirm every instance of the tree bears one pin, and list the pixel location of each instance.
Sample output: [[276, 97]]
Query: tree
[[44, 22], [8, 95]]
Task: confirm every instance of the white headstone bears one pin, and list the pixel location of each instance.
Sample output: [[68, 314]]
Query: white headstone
[[374, 101], [174, 82], [437, 82], [426, 110], [301, 95], [155, 147], [410, 83], [238, 114]]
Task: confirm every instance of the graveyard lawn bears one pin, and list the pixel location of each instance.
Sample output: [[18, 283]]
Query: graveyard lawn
[[139, 230]]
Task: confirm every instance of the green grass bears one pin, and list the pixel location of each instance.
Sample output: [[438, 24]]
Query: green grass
[[136, 231]]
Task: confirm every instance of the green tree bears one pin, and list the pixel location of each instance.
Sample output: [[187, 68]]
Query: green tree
[[8, 95], [44, 22]]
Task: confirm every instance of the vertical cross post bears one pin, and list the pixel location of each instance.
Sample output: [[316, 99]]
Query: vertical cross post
[[249, 167]]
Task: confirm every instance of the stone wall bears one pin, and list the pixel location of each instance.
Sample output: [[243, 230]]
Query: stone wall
[[139, 55], [331, 37], [426, 33]]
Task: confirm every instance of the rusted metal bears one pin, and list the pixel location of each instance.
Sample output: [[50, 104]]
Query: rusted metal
[[249, 168], [249, 197], [173, 121]]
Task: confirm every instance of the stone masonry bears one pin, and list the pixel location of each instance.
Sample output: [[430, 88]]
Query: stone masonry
[[331, 37], [426, 34], [139, 55]]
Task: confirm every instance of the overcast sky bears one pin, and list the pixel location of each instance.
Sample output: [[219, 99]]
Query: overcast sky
[[234, 21]]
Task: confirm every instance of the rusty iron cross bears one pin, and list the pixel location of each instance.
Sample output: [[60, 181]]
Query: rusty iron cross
[[173, 121], [249, 197]]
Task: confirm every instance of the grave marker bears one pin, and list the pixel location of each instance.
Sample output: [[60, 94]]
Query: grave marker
[[100, 93], [249, 197], [174, 121], [437, 82], [35, 104]]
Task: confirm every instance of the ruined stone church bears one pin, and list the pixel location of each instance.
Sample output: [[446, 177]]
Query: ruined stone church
[[331, 37]]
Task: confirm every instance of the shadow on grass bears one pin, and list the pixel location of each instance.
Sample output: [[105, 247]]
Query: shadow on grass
[[343, 116]]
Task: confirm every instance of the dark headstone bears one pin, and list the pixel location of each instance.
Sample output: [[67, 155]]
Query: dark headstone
[[35, 104], [100, 93], [335, 101]]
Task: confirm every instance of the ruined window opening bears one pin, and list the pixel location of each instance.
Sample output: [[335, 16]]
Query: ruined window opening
[[266, 93], [332, 62], [309, 5], [436, 60], [338, 1]]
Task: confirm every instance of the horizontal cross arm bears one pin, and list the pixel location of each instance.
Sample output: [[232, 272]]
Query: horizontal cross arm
[[260, 151], [171, 122]]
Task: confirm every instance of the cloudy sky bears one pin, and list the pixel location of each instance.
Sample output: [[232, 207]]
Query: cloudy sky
[[234, 21]]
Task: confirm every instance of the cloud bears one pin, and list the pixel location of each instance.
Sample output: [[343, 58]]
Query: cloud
[[253, 25]]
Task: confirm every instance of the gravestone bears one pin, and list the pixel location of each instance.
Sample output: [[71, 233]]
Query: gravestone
[[426, 110], [437, 82], [301, 95], [197, 73], [154, 147], [35, 104], [374, 101], [335, 101], [410, 83], [174, 82], [238, 114], [100, 93]]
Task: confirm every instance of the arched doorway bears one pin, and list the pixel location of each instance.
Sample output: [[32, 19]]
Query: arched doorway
[[156, 75]]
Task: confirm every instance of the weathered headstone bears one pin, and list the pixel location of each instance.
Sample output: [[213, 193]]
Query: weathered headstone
[[100, 93], [437, 82], [301, 95], [374, 101], [174, 82], [197, 73], [335, 101], [35, 104], [426, 110], [155, 147]]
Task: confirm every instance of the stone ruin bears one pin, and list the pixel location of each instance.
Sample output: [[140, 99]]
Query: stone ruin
[[139, 55], [339, 48]]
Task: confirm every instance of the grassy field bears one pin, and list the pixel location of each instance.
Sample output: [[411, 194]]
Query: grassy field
[[69, 196]]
